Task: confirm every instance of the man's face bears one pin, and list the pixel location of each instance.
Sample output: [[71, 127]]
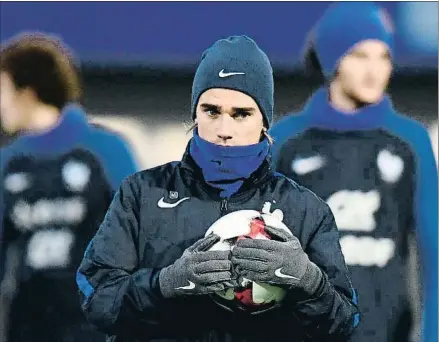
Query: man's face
[[229, 118], [12, 105], [364, 73]]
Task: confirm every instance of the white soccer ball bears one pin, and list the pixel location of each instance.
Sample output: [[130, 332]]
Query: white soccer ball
[[252, 297]]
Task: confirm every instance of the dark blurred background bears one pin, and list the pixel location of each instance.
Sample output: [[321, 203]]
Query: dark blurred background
[[138, 58]]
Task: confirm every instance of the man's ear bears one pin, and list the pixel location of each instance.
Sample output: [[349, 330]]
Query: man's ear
[[264, 134]]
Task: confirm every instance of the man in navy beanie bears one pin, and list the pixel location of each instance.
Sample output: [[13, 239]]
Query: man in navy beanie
[[246, 69], [373, 166], [218, 247]]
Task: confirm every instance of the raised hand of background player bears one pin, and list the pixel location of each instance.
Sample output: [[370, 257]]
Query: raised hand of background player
[[280, 261], [198, 271]]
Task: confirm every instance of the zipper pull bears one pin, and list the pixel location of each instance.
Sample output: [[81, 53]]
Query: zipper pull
[[223, 205]]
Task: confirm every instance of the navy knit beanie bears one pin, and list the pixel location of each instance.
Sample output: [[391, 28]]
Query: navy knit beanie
[[345, 24], [236, 63]]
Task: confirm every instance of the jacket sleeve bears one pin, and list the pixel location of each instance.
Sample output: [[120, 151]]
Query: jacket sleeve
[[426, 218], [116, 295], [331, 314], [425, 215], [119, 160], [123, 162]]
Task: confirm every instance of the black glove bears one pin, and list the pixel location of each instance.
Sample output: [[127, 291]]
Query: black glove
[[198, 271], [280, 261]]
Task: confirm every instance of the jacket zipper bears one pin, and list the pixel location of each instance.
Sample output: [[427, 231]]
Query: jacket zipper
[[223, 206]]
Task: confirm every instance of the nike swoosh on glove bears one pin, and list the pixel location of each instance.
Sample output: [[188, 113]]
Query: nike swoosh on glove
[[280, 261], [198, 271]]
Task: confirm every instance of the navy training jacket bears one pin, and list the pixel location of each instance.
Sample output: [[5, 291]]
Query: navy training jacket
[[118, 276], [376, 170], [55, 189]]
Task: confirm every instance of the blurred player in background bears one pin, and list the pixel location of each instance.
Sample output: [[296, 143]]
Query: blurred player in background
[[149, 274], [58, 178], [374, 167]]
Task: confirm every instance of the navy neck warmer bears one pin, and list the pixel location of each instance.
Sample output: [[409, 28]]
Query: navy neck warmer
[[323, 114], [227, 167]]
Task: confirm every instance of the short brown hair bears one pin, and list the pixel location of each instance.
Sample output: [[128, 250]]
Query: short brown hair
[[45, 65]]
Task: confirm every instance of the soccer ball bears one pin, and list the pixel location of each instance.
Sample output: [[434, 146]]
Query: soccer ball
[[246, 224]]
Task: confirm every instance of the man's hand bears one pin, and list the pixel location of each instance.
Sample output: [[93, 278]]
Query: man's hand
[[280, 261], [198, 271]]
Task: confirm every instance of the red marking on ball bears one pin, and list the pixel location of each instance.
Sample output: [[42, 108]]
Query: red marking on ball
[[257, 228]]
